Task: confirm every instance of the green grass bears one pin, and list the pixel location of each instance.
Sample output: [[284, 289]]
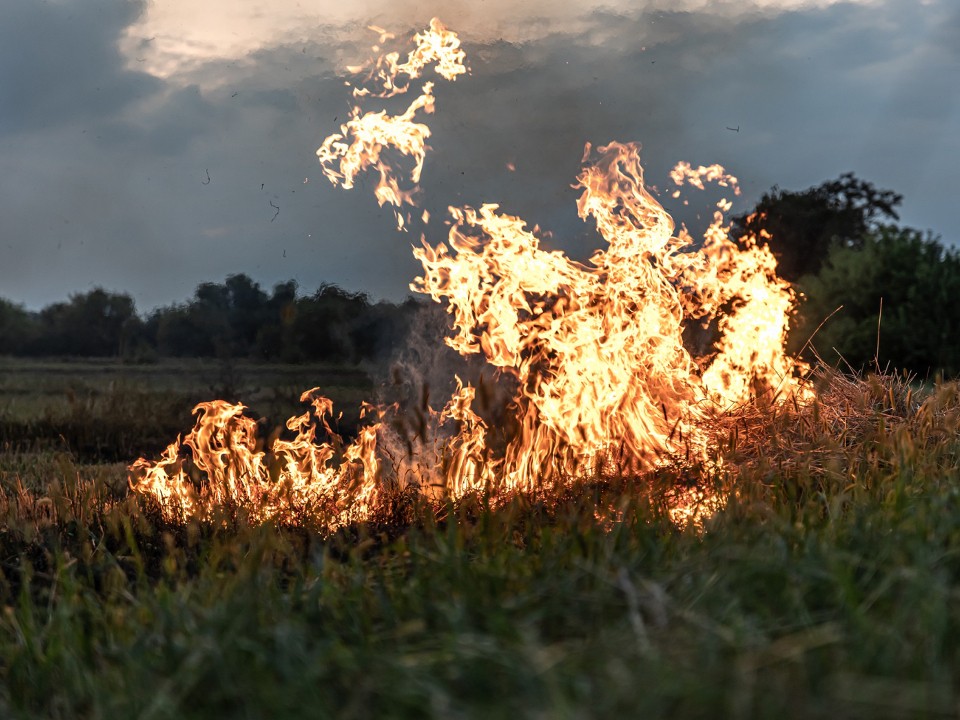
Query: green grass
[[828, 586]]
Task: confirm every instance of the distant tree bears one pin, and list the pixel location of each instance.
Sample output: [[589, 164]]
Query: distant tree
[[229, 320], [18, 328], [325, 324], [918, 281], [222, 319], [801, 227], [247, 311], [274, 337], [210, 313], [383, 327], [93, 324], [178, 335]]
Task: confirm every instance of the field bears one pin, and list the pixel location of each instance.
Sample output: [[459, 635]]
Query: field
[[827, 586], [110, 411]]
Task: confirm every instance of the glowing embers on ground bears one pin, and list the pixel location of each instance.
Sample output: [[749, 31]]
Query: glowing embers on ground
[[604, 381]]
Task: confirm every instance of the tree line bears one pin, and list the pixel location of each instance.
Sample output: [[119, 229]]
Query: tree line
[[235, 319], [874, 293], [861, 278]]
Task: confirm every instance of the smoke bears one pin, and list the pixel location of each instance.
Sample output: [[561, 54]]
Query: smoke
[[423, 374]]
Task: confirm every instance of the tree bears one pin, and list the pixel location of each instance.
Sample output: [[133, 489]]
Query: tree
[[18, 328], [383, 327], [93, 324], [274, 336], [247, 312], [222, 319], [325, 324], [178, 335], [229, 320], [918, 281], [801, 227]]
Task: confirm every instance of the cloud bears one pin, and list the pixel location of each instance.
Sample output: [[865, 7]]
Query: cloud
[[179, 36], [110, 188], [59, 63]]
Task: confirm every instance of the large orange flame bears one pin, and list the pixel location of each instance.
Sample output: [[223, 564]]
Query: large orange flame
[[597, 349]]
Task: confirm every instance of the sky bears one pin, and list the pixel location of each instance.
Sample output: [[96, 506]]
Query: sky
[[146, 147]]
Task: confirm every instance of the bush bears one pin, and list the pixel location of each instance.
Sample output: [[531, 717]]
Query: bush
[[916, 279]]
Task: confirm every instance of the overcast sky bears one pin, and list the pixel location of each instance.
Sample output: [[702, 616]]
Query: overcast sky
[[144, 147]]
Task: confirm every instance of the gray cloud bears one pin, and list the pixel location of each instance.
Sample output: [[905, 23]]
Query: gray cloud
[[59, 63]]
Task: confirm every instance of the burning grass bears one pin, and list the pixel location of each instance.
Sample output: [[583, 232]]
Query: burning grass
[[825, 584], [108, 411]]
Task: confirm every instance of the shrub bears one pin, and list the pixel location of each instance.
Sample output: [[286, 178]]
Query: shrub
[[916, 279]]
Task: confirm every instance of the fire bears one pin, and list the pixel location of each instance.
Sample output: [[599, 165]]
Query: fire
[[362, 139], [598, 349], [604, 379], [226, 467]]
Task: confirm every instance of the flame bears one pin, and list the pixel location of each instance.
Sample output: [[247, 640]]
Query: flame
[[604, 379], [362, 139], [598, 349], [226, 468]]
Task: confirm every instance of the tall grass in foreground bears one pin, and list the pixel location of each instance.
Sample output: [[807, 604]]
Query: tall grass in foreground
[[828, 585]]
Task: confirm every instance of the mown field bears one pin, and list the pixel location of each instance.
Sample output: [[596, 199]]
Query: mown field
[[827, 586]]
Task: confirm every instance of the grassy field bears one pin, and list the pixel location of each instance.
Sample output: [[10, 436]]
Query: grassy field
[[827, 586], [110, 411]]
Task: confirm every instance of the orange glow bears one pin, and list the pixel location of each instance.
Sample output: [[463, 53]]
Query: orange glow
[[604, 380]]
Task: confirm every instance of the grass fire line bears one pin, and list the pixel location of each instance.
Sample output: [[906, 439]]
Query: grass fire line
[[604, 380]]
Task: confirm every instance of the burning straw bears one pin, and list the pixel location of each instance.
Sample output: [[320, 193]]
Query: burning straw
[[595, 351]]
